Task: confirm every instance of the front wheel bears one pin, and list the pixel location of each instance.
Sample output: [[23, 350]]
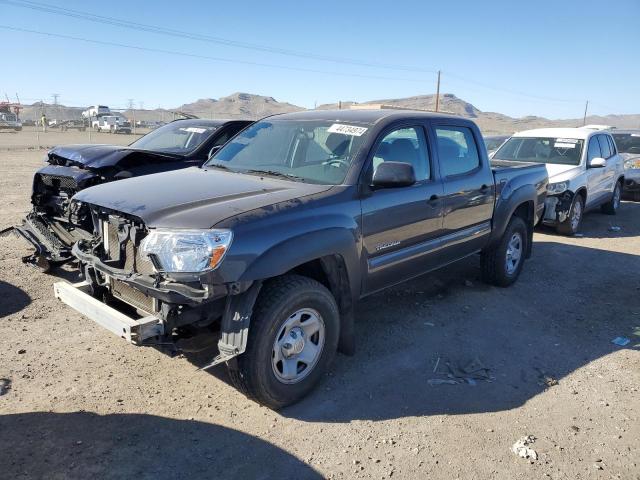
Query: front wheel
[[611, 207], [293, 337], [572, 223], [501, 264]]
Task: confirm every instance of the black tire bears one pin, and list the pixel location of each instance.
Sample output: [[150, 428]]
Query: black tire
[[611, 207], [493, 261], [571, 226], [279, 299]]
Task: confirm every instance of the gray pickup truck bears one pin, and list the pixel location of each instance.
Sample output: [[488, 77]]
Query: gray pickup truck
[[276, 238]]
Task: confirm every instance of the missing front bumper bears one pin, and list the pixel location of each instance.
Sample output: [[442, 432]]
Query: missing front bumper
[[557, 208], [132, 330]]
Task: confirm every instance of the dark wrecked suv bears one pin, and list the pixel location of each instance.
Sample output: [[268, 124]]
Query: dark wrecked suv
[[53, 225], [292, 222]]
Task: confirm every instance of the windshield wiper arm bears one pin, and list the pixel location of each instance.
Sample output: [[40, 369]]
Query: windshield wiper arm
[[217, 165], [274, 173]]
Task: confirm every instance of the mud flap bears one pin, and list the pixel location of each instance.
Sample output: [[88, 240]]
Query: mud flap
[[234, 329]]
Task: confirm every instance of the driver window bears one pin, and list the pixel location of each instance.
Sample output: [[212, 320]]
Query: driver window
[[407, 145], [594, 149]]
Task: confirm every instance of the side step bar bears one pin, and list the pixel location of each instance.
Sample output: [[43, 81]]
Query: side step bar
[[132, 330]]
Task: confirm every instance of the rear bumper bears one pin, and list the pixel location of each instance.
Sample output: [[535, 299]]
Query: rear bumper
[[132, 330]]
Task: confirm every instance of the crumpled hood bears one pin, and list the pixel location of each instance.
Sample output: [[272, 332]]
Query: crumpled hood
[[560, 173], [96, 156], [193, 197]]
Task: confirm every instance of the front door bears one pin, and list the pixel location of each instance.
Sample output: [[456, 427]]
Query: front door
[[400, 225]]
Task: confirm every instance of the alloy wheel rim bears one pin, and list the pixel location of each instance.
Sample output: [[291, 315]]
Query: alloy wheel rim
[[616, 197], [575, 217], [514, 253], [298, 346]]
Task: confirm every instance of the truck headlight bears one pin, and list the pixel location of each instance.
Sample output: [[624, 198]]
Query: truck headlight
[[187, 251], [557, 188], [632, 164]]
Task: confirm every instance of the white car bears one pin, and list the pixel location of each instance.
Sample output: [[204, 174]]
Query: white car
[[628, 146], [584, 167]]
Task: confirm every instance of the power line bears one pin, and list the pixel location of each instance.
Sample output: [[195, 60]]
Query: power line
[[43, 7], [206, 57]]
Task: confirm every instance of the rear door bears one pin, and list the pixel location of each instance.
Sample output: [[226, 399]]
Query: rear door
[[401, 225], [469, 189]]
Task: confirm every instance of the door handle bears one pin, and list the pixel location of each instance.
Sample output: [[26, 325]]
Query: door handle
[[484, 189], [434, 198]]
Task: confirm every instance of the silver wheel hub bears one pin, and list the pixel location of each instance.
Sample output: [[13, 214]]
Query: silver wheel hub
[[514, 253], [616, 196], [298, 346], [577, 214], [294, 343]]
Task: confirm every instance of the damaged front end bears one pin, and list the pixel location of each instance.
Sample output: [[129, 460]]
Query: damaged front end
[[557, 208], [138, 299], [55, 222]]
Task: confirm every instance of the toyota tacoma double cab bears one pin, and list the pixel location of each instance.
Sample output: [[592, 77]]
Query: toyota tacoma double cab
[[585, 171], [276, 238], [53, 226]]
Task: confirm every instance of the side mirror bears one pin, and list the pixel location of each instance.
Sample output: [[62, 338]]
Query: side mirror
[[393, 174], [597, 162]]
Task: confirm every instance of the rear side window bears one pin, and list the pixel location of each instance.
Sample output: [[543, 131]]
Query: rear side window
[[604, 146], [594, 149], [457, 150]]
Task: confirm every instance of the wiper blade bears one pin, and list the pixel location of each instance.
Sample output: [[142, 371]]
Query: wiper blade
[[274, 173], [217, 165]]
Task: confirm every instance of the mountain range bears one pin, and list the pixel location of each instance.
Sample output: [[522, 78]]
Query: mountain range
[[246, 105]]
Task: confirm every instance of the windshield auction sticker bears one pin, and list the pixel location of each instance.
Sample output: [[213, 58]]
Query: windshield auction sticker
[[347, 129]]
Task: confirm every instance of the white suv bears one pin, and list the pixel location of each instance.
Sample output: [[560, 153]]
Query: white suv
[[585, 171]]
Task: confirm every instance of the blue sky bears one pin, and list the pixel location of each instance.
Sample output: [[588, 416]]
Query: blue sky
[[518, 58]]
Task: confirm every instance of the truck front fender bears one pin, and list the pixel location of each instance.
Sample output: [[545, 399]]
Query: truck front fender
[[307, 247]]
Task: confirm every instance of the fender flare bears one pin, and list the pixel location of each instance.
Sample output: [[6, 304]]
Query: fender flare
[[507, 205]]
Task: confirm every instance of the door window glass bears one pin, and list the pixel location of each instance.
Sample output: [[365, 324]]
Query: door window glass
[[457, 150], [594, 149], [604, 146], [406, 145]]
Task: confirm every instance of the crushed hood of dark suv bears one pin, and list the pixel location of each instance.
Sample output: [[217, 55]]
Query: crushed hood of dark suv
[[194, 197]]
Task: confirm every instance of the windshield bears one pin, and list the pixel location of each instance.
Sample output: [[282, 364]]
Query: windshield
[[178, 137], [627, 142], [493, 142], [562, 151], [310, 151], [9, 117]]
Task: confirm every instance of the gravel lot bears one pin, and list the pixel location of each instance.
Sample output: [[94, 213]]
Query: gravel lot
[[77, 402]]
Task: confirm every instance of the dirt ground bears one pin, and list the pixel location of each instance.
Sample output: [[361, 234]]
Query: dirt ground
[[77, 402]]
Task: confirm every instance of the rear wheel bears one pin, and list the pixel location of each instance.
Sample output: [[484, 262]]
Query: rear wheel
[[572, 223], [611, 207], [293, 338], [501, 265]]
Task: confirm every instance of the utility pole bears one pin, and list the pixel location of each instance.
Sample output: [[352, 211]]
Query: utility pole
[[55, 98], [584, 119], [438, 92]]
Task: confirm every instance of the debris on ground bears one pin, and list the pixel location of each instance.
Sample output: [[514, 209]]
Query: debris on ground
[[441, 381], [545, 379], [522, 448], [468, 372], [621, 341], [614, 228], [468, 283]]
